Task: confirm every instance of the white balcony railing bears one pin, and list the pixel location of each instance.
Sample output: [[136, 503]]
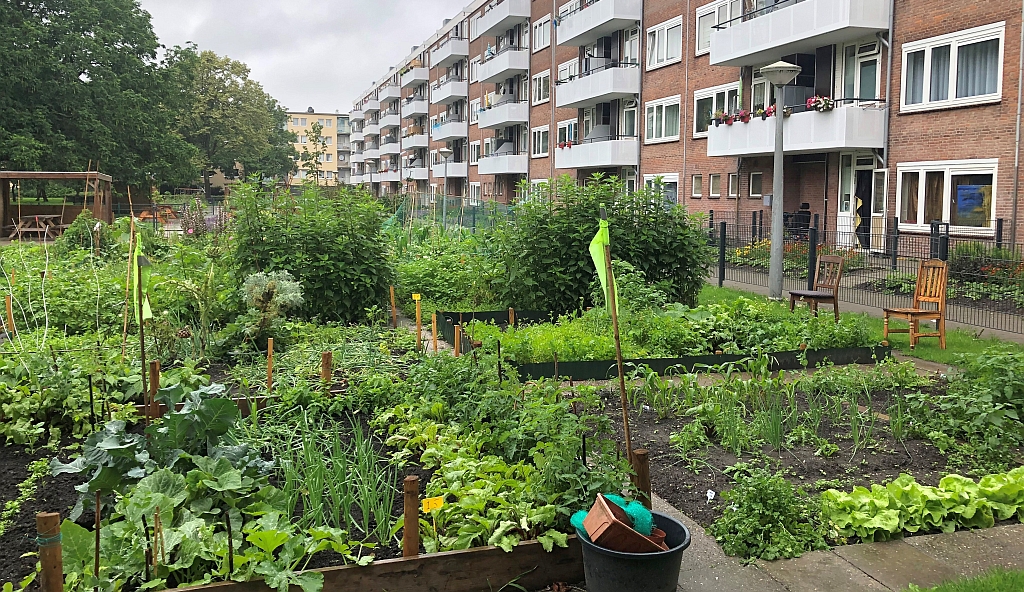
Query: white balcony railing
[[356, 115], [371, 106], [502, 16], [356, 157], [417, 173], [763, 37], [455, 170], [391, 120], [843, 128], [415, 77], [504, 164], [599, 86], [389, 176], [449, 130], [371, 129], [613, 152], [415, 108], [391, 147], [504, 114], [595, 20], [389, 93], [451, 51], [357, 136], [448, 91], [414, 141], [506, 64], [371, 154]]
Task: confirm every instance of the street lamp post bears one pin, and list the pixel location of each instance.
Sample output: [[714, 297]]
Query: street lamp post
[[445, 153], [779, 75]]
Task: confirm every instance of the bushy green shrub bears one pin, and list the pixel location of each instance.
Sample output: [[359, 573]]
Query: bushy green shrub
[[632, 289]]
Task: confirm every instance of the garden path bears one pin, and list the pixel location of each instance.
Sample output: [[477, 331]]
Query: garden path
[[410, 324], [924, 560]]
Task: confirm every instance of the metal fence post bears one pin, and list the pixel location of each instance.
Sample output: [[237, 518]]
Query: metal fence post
[[894, 247], [753, 227], [933, 242], [999, 233], [944, 244], [812, 256], [721, 255], [760, 224]]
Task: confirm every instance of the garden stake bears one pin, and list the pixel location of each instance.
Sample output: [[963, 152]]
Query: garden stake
[[51, 575], [231, 547], [96, 560], [511, 317], [128, 279], [458, 340], [419, 324], [643, 475], [411, 517], [9, 305], [499, 361], [326, 364], [618, 346], [433, 330], [159, 554], [142, 333], [394, 311], [92, 407], [154, 385], [557, 379], [149, 552], [270, 365]]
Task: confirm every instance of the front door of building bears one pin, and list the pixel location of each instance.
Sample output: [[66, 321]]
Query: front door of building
[[854, 219]]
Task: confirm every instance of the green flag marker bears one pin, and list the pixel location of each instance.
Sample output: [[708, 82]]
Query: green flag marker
[[597, 252], [143, 271]]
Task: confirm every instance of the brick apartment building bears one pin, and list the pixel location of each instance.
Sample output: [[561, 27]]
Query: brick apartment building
[[335, 168], [644, 89]]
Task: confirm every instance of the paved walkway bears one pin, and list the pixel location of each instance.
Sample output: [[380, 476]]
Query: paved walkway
[[925, 560]]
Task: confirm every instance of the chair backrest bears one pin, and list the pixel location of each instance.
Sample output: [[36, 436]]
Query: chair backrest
[[829, 272], [931, 283]]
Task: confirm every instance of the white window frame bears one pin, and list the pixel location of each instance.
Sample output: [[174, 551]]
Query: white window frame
[[474, 70], [694, 179], [660, 32], [571, 70], [536, 86], [534, 137], [474, 111], [488, 147], [474, 152], [474, 193], [711, 185], [949, 168], [750, 184], [705, 93], [541, 25], [955, 41], [665, 179], [567, 124], [734, 185], [663, 102]]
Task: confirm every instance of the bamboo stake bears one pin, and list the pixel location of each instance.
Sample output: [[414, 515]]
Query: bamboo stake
[[458, 340], [51, 576], [92, 406], [96, 560], [419, 323], [433, 330], [411, 517], [270, 365], [9, 306], [128, 276], [394, 310], [142, 332], [231, 547], [618, 346], [149, 550], [153, 408]]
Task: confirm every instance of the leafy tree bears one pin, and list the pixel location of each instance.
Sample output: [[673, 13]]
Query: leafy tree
[[311, 158], [228, 117]]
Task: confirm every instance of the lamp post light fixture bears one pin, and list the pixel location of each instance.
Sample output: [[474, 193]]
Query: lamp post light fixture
[[445, 153], [779, 75]]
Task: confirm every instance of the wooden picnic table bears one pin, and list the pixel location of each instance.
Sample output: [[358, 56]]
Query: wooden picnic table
[[164, 213], [42, 224]]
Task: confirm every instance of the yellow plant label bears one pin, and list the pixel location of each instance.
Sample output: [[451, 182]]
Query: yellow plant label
[[433, 503], [415, 296]]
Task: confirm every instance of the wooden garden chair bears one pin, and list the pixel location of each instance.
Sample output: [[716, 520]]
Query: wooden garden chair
[[931, 288], [826, 286]]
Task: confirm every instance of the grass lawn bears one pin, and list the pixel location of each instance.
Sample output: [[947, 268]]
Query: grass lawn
[[957, 342], [997, 581]]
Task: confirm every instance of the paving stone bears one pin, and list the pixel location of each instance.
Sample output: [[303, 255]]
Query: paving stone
[[896, 564], [966, 551], [703, 552], [820, 571], [730, 577]]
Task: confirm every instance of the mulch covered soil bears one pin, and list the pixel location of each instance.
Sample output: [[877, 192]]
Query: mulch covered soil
[[686, 489]]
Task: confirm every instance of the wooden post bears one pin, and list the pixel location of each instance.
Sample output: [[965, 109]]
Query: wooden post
[[153, 408], [433, 330], [419, 323], [458, 340], [558, 379], [270, 365], [394, 310], [96, 553], [618, 345], [326, 367], [511, 317], [411, 519], [9, 306], [142, 332], [642, 468], [51, 578]]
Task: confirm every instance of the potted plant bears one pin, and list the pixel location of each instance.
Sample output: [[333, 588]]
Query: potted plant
[[770, 111], [717, 118], [729, 119], [561, 145], [820, 104], [743, 116]]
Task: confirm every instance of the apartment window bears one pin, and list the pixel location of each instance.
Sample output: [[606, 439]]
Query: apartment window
[[295, 121], [474, 152], [565, 9], [301, 174], [567, 131], [474, 194], [474, 111], [302, 121], [762, 94], [488, 146], [542, 87], [734, 185], [662, 120], [330, 174], [569, 70], [960, 192], [629, 118], [708, 101], [721, 12], [542, 33], [540, 141], [302, 139], [474, 70], [328, 123], [328, 140], [665, 43], [667, 183], [715, 181], [963, 68], [696, 186], [756, 187], [330, 157]]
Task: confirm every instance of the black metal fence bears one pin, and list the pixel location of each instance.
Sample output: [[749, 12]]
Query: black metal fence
[[986, 273], [178, 216]]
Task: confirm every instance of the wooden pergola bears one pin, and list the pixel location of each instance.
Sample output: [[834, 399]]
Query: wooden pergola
[[97, 187]]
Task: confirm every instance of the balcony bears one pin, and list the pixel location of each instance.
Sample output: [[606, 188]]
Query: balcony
[[608, 83], [797, 27], [390, 145], [504, 164], [503, 17], [416, 107], [357, 157], [451, 51], [415, 77], [611, 152], [357, 136], [371, 129], [391, 119], [596, 20], [508, 62], [844, 128], [452, 129], [356, 179], [389, 176], [356, 115], [456, 170], [417, 173], [371, 106], [414, 141], [389, 93], [371, 153], [446, 92], [504, 114]]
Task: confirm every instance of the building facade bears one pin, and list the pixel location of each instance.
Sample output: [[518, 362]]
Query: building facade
[[335, 165], [905, 111]]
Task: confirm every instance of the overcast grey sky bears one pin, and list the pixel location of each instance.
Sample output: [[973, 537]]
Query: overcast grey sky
[[305, 53]]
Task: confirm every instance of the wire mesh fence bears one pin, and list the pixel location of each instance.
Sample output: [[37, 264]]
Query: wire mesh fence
[[986, 275], [453, 212]]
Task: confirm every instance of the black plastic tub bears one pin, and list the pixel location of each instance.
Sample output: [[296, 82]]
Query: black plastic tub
[[614, 571]]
